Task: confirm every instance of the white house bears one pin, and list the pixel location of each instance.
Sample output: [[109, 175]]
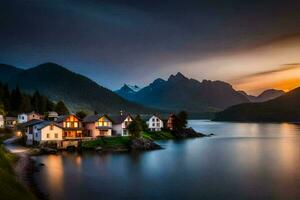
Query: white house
[[1, 121], [120, 124], [44, 131], [22, 118], [25, 117], [154, 122]]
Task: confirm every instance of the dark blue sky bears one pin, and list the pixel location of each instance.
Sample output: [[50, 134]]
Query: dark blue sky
[[114, 41]]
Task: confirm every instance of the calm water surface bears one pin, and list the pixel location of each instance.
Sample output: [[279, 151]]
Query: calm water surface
[[242, 161]]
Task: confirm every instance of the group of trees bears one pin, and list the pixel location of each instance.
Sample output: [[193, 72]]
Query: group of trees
[[180, 121], [14, 101], [136, 127]]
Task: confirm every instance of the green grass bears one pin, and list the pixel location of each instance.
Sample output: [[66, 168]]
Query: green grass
[[10, 188], [160, 135], [107, 142]]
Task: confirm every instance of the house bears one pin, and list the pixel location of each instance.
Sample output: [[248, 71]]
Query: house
[[22, 118], [120, 124], [25, 117], [154, 122], [44, 131], [27, 129], [72, 126], [52, 116], [98, 125], [10, 122], [1, 121], [171, 121]]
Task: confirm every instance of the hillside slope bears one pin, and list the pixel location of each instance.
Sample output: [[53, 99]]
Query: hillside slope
[[285, 108], [79, 92]]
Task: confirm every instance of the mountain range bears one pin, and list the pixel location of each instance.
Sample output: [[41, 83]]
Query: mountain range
[[285, 108], [174, 94], [59, 83], [181, 93], [264, 96]]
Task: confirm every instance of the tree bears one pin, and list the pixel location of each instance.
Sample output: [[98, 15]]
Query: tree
[[61, 108], [35, 101], [141, 122], [2, 111], [181, 121], [16, 100], [135, 129], [81, 114], [26, 103]]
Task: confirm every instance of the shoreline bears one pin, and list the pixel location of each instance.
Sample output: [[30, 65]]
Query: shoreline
[[25, 169]]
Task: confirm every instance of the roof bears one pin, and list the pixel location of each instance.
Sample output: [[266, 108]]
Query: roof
[[118, 119], [10, 118], [52, 114], [43, 124], [146, 117], [33, 112], [62, 118], [94, 118], [32, 122]]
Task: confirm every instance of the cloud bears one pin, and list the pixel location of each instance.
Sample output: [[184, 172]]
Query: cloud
[[284, 77], [282, 68]]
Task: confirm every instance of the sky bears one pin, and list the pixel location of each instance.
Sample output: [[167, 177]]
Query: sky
[[254, 45]]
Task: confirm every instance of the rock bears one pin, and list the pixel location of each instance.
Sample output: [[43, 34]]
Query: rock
[[98, 148], [143, 144], [188, 133]]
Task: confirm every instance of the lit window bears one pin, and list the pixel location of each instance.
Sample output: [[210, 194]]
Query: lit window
[[75, 124], [68, 124]]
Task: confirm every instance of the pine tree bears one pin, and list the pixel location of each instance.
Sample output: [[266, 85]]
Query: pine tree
[[81, 114], [16, 100], [61, 108]]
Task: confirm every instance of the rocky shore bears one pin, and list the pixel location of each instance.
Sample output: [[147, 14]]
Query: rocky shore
[[25, 170], [144, 144], [187, 133]]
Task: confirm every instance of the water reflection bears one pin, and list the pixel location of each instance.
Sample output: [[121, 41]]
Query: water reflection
[[242, 161]]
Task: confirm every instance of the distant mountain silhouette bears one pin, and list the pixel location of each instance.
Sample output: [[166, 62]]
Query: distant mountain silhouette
[[182, 93], [59, 83], [127, 91], [285, 108], [264, 96], [269, 95]]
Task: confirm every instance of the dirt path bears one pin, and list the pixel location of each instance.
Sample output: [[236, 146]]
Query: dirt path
[[14, 148]]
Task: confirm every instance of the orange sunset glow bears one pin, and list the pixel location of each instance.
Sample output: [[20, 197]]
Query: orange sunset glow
[[286, 77]]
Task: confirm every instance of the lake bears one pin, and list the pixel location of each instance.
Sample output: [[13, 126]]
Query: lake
[[242, 161]]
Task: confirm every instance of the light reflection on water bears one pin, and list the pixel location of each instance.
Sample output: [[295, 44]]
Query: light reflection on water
[[242, 161]]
